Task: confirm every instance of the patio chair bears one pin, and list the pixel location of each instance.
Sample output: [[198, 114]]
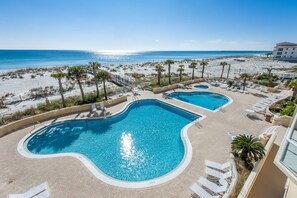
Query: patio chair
[[216, 165], [201, 192]]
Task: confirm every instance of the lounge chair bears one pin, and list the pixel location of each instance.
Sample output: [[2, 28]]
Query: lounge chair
[[201, 192], [217, 165], [93, 108], [212, 186], [101, 106], [218, 174], [40, 191]]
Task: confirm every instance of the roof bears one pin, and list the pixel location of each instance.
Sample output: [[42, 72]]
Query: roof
[[286, 44]]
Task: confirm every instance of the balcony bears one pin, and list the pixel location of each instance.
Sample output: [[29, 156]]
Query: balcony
[[286, 158]]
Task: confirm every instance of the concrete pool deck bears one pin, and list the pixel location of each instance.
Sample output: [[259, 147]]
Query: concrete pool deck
[[68, 177]]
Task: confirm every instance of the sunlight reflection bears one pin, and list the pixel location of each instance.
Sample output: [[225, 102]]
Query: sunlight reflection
[[129, 152]]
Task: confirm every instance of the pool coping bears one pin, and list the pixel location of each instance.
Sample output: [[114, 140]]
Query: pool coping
[[22, 149], [208, 91]]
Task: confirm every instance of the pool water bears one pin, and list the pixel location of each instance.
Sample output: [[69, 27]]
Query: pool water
[[201, 86], [141, 143], [207, 100]]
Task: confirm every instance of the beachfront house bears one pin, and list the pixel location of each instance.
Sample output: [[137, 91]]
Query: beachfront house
[[285, 51]]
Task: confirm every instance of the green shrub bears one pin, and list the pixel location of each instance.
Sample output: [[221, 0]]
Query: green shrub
[[288, 110], [267, 83]]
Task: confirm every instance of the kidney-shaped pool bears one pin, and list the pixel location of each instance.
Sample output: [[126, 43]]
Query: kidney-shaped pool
[[208, 100], [141, 143]]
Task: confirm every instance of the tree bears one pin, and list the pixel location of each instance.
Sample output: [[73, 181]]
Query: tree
[[159, 68], [269, 70], [169, 63], [180, 69], [59, 76], [94, 66], [244, 76], [104, 76], [193, 65], [292, 84], [228, 70], [248, 148], [78, 73], [223, 64], [203, 63]]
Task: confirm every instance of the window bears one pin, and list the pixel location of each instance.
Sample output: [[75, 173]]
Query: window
[[292, 52], [280, 49], [277, 56], [284, 56], [287, 49], [293, 48], [291, 56], [285, 52]]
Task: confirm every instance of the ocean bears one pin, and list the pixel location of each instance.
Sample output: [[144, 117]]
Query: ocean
[[17, 59]]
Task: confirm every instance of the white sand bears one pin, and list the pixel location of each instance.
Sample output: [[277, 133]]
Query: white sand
[[21, 87]]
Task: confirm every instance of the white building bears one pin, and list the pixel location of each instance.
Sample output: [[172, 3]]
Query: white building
[[285, 51]]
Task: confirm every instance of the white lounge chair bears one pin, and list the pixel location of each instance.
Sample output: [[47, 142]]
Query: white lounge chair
[[93, 108], [216, 165], [218, 174], [101, 106], [201, 192], [212, 186], [40, 191]]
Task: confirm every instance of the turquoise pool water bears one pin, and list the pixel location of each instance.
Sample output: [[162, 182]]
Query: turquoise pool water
[[201, 86], [208, 100], [141, 143]]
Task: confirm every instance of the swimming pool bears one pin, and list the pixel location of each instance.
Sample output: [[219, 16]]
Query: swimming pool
[[141, 143], [201, 86], [207, 100]]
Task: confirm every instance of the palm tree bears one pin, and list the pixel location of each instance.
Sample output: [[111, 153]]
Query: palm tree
[[78, 73], [193, 65], [94, 66], [159, 68], [223, 64], [292, 84], [248, 148], [59, 76], [180, 69], [269, 70], [104, 76], [169, 63], [244, 76], [228, 70], [203, 63]]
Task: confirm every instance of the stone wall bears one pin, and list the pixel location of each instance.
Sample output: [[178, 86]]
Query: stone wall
[[175, 86], [11, 127]]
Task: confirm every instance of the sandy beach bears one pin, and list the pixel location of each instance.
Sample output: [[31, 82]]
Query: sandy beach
[[18, 84]]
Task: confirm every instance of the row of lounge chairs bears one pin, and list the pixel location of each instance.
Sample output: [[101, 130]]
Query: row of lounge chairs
[[261, 106], [216, 186]]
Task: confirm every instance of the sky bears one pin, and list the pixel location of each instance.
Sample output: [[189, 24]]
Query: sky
[[147, 24]]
